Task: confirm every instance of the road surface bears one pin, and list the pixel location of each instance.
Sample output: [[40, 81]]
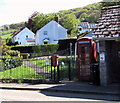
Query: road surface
[[18, 95]]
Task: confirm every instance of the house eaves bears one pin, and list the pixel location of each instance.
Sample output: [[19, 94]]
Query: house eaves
[[14, 34]]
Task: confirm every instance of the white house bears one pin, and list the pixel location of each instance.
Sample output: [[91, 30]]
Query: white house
[[85, 26], [24, 37], [51, 33]]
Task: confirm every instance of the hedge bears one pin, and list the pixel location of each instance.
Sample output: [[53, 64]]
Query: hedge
[[37, 50]]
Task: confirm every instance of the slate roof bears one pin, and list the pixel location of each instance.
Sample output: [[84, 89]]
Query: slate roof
[[16, 32], [109, 23], [86, 25]]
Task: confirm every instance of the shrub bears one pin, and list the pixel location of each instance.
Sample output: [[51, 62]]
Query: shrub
[[10, 58], [5, 48], [13, 53], [11, 62]]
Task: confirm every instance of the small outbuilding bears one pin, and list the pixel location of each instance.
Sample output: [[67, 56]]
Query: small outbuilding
[[107, 36]]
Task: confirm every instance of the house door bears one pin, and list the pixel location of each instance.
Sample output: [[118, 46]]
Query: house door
[[45, 42], [84, 63]]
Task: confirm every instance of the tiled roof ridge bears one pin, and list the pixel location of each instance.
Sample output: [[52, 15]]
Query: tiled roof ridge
[[111, 7]]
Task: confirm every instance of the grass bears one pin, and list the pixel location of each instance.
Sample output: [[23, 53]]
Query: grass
[[6, 34], [63, 68], [42, 64], [21, 72]]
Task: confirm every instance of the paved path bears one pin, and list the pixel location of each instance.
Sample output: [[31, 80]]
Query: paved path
[[39, 70]]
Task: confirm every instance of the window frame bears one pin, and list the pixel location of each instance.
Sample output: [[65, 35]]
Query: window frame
[[45, 33]]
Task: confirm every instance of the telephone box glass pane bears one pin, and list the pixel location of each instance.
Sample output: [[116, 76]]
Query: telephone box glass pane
[[84, 61]]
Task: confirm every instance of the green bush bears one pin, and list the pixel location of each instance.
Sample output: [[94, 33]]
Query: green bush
[[13, 53], [10, 58], [4, 49], [9, 63]]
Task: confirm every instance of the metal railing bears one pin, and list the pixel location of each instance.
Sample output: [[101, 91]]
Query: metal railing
[[38, 68]]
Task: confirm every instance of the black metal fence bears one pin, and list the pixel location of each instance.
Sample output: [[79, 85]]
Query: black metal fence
[[39, 68]]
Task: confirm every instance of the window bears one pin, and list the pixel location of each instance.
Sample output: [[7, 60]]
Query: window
[[26, 36], [45, 33]]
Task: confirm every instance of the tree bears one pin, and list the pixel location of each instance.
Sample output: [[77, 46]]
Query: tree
[[93, 17], [41, 20], [106, 3], [83, 16], [70, 23]]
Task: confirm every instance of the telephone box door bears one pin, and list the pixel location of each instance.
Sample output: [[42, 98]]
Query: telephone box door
[[84, 61]]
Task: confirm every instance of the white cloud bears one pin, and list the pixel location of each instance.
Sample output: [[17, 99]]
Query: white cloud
[[19, 10]]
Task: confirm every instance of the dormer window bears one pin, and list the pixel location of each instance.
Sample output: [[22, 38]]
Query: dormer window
[[45, 33]]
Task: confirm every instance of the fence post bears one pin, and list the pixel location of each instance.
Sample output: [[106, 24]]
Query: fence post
[[51, 72], [51, 68], [69, 70], [58, 73], [54, 73]]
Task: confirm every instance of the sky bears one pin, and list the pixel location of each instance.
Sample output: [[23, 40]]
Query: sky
[[15, 11]]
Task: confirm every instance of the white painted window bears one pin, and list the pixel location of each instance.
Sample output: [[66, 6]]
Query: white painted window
[[45, 33]]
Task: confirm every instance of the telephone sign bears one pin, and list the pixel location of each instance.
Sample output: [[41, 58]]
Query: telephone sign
[[102, 57]]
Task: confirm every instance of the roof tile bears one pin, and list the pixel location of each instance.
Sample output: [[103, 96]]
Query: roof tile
[[109, 22]]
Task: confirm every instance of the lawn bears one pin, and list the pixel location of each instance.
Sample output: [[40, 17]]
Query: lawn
[[21, 72], [42, 63], [63, 67]]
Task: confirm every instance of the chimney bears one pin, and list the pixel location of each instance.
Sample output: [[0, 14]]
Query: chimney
[[56, 19]]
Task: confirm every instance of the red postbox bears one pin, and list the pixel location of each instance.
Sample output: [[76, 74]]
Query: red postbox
[[87, 55], [54, 60]]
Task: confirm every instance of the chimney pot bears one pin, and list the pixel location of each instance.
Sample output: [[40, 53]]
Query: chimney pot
[[56, 19]]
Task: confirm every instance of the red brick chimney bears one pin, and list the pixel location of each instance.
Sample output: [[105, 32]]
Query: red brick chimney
[[56, 19]]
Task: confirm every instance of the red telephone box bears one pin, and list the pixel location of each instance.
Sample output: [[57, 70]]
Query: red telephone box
[[54, 60], [87, 55]]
